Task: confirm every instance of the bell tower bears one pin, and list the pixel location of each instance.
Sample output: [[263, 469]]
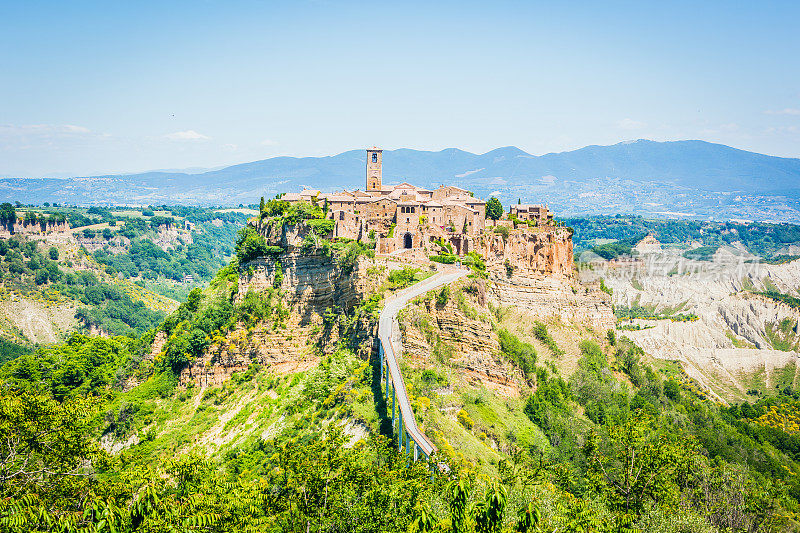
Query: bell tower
[[374, 169]]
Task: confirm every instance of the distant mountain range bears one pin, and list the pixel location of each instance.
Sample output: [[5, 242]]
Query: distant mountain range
[[680, 178]]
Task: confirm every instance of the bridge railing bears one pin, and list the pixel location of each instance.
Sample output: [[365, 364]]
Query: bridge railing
[[409, 437]]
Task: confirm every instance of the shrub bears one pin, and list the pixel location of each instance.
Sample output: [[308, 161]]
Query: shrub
[[520, 353], [253, 308], [464, 419], [672, 390], [502, 231], [509, 268], [605, 288], [443, 296], [53, 252], [541, 333], [250, 244], [402, 278], [349, 256], [447, 259], [322, 226]]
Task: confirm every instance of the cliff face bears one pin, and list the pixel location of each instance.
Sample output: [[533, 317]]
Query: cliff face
[[458, 333], [545, 251], [531, 269], [21, 227], [282, 351], [553, 296], [534, 269], [313, 282]]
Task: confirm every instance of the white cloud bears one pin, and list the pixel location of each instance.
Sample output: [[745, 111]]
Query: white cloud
[[782, 129], [630, 124], [548, 179], [784, 111], [268, 142], [75, 129], [230, 147], [494, 193], [188, 135], [42, 129]]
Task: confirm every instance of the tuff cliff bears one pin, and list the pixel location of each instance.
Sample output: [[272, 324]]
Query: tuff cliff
[[458, 331], [534, 269], [307, 280], [540, 250], [531, 269]]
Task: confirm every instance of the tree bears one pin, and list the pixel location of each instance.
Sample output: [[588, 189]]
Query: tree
[[45, 443], [250, 244], [494, 209], [638, 464], [53, 252], [489, 513], [8, 216]]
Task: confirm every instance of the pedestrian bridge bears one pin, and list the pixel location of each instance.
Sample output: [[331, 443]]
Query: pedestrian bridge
[[409, 437]]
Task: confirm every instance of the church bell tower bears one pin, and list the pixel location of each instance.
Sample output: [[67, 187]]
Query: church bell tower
[[374, 171]]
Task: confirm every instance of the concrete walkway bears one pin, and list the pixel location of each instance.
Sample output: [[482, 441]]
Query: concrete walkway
[[389, 335]]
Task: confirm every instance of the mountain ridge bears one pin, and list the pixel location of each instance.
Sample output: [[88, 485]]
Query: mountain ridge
[[642, 171]]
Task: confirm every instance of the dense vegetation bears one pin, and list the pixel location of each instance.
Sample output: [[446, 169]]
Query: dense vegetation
[[28, 268], [618, 445], [209, 249], [655, 457], [762, 239]]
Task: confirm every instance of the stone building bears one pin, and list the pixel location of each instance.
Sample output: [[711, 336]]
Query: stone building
[[401, 216], [540, 213]]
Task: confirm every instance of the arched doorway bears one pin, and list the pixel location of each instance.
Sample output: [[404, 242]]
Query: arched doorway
[[407, 241]]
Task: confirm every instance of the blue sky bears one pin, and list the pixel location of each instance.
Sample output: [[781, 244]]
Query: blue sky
[[93, 87]]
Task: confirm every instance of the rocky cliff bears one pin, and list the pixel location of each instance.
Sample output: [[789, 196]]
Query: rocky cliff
[[545, 251], [458, 333]]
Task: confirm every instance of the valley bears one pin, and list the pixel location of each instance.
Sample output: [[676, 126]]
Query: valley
[[525, 370]]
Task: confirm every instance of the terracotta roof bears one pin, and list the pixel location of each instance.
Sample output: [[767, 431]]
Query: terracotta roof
[[338, 198]]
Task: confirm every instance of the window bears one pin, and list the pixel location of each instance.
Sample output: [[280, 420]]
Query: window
[[341, 215], [374, 157]]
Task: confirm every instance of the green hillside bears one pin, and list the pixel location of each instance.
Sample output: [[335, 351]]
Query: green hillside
[[589, 434]]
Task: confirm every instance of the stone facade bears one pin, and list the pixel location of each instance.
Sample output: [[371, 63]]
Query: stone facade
[[401, 216], [538, 213]]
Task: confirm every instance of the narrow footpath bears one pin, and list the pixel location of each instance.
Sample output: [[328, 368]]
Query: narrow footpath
[[389, 335]]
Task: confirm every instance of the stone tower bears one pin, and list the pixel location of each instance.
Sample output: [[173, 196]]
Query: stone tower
[[374, 171]]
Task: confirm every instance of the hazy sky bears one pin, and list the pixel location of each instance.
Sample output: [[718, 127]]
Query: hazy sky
[[92, 87]]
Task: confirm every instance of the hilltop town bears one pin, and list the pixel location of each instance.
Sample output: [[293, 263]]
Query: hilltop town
[[408, 220]]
